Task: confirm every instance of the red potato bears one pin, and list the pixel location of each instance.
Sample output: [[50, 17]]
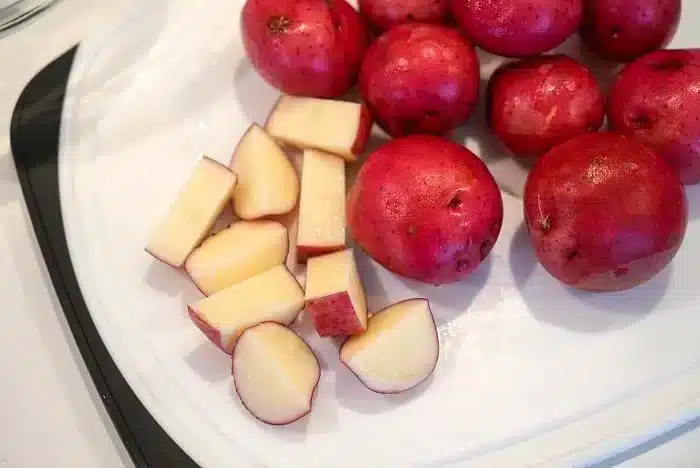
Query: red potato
[[305, 47], [385, 14], [604, 212], [425, 208], [540, 102], [518, 28], [420, 78], [656, 99], [624, 30]]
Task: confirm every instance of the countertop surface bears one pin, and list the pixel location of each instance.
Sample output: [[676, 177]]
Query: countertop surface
[[50, 413]]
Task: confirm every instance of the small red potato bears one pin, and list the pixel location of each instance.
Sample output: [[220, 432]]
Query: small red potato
[[305, 47], [540, 102], [518, 28], [604, 212], [656, 100], [623, 30], [425, 208], [420, 78]]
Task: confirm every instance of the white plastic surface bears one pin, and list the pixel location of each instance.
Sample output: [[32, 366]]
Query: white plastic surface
[[530, 373]]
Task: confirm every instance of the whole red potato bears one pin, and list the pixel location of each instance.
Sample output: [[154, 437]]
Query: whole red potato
[[385, 14], [537, 103], [305, 47], [518, 28], [425, 208], [656, 99], [420, 78], [604, 212], [623, 30]]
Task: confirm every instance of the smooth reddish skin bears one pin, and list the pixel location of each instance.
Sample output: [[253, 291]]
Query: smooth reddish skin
[[334, 315], [425, 208], [518, 28], [437, 355], [386, 14], [313, 392], [624, 30], [364, 132], [656, 99], [210, 332], [420, 78], [305, 47], [305, 252], [604, 212], [540, 102]]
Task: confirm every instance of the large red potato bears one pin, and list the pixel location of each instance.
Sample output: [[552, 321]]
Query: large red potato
[[540, 102], [604, 212], [425, 208], [623, 30], [656, 99], [518, 28], [305, 47], [420, 78], [385, 14]]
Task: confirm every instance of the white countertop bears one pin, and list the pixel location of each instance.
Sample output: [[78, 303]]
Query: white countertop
[[50, 413]]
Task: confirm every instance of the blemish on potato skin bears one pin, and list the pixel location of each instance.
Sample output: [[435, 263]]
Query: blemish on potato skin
[[279, 25], [620, 272], [462, 265], [485, 249], [455, 202], [573, 254], [668, 65]]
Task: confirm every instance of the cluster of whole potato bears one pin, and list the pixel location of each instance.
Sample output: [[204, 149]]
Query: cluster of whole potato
[[605, 210]]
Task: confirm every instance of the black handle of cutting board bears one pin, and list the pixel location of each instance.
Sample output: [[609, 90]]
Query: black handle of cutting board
[[34, 138]]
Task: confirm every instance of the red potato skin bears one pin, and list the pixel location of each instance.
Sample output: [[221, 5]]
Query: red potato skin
[[623, 30], [313, 392], [540, 102], [426, 209], [420, 78], [334, 316], [211, 333], [386, 14], [364, 132], [305, 47], [518, 28], [604, 212], [656, 100], [305, 252], [367, 385]]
